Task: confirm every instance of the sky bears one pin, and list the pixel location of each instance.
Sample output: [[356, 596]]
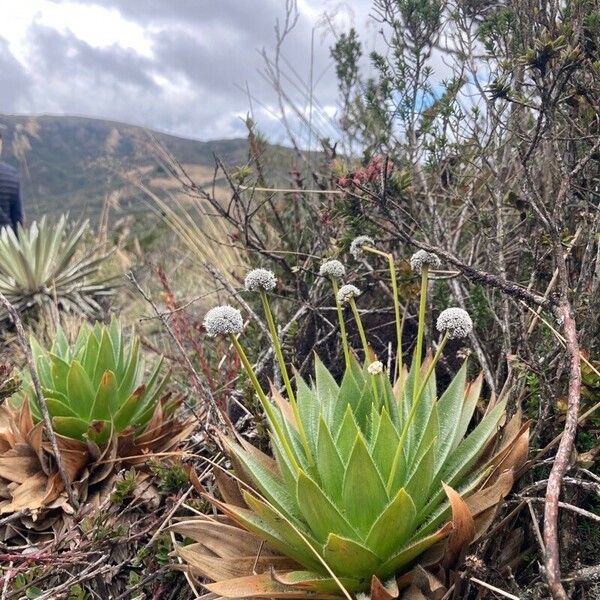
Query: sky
[[188, 67]]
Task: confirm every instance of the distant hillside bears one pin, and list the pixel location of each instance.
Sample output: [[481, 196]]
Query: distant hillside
[[73, 164]]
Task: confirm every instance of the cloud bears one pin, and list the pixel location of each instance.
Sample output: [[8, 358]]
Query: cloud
[[188, 78], [69, 61], [14, 81], [231, 13]]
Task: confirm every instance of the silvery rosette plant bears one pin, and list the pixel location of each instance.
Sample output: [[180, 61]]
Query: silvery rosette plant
[[47, 264], [106, 411], [371, 480]]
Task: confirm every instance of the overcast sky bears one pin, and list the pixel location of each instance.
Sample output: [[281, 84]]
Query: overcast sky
[[180, 66]]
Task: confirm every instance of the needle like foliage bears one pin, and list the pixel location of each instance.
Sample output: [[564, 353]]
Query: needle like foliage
[[47, 264]]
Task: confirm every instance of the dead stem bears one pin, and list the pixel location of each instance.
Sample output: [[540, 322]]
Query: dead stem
[[22, 338]]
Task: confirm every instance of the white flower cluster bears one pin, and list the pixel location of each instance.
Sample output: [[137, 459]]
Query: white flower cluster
[[421, 258], [332, 268], [375, 368], [456, 322], [357, 245], [346, 292], [223, 320], [260, 279]]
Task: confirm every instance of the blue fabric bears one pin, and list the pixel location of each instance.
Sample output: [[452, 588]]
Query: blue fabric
[[11, 207]]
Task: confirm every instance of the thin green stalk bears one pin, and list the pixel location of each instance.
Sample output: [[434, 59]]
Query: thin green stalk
[[413, 408], [421, 328], [340, 314], [401, 364], [267, 407], [398, 319], [431, 367], [284, 374], [361, 329], [277, 346]]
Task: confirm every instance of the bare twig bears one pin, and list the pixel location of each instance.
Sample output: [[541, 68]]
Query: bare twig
[[536, 526], [96, 568], [13, 517], [561, 463], [291, 190], [493, 588], [201, 388], [7, 578], [580, 511], [41, 401]]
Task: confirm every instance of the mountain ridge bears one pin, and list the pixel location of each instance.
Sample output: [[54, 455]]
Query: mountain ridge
[[74, 164]]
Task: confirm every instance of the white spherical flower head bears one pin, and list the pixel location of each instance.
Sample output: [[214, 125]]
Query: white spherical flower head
[[423, 258], [456, 322], [332, 268], [375, 368], [357, 245], [260, 279], [223, 320], [346, 292]]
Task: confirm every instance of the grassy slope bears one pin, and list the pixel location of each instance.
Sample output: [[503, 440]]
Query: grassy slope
[[73, 164]]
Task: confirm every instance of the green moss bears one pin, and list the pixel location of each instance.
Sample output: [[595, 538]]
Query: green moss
[[125, 488], [172, 478]]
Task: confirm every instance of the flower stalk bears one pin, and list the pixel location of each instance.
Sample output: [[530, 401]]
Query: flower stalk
[[421, 325], [399, 320], [284, 372], [277, 346], [263, 281], [267, 407], [361, 329], [431, 367], [346, 294], [420, 262], [340, 314], [415, 404]]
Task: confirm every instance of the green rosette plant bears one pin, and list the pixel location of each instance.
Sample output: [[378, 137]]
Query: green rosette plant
[[370, 478], [106, 410], [97, 386]]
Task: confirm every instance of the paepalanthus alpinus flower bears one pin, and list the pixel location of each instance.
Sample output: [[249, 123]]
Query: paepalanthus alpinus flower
[[370, 479], [348, 292], [260, 279], [456, 322], [332, 268], [223, 320], [358, 245], [422, 258]]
